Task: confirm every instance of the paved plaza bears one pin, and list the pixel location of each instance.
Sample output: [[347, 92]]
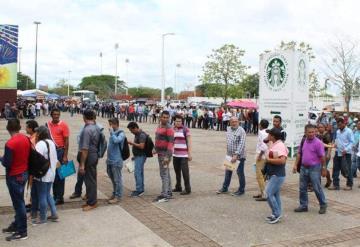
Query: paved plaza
[[200, 219]]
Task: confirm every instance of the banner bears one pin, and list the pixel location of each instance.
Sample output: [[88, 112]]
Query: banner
[[8, 56], [283, 91]]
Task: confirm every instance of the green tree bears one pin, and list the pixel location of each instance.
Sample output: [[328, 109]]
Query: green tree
[[102, 85], [169, 91], [144, 92], [314, 84], [224, 67], [61, 88], [295, 46], [250, 84], [24, 82]]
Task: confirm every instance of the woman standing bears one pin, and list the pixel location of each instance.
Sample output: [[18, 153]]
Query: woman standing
[[40, 191], [275, 170]]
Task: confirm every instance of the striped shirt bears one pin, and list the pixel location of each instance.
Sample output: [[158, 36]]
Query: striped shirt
[[236, 142], [180, 142], [164, 140]]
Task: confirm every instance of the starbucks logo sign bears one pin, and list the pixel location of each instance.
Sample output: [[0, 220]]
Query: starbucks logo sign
[[276, 74], [301, 76]]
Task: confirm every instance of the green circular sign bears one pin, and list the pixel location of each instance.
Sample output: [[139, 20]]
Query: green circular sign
[[276, 74]]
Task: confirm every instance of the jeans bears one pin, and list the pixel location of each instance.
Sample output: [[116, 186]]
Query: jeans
[[337, 168], [273, 194], [139, 172], [165, 177], [59, 184], [181, 165], [241, 175], [40, 199], [313, 175], [16, 187], [355, 164], [115, 175], [91, 178]]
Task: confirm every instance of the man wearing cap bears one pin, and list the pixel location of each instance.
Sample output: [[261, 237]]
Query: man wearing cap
[[235, 138], [313, 166]]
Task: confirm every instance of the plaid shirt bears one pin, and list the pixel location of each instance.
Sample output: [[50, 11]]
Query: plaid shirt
[[235, 140]]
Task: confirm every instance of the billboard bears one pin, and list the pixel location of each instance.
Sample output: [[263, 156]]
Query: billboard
[[284, 91], [8, 56]]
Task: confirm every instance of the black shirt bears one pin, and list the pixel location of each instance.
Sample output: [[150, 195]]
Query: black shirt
[[139, 138]]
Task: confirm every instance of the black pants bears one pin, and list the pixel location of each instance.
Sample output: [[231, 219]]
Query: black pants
[[181, 165], [59, 184], [90, 178]]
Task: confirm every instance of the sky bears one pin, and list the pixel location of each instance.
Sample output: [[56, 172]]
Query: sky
[[73, 33]]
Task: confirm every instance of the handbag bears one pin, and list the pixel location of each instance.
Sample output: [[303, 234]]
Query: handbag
[[228, 164], [130, 166], [66, 170]]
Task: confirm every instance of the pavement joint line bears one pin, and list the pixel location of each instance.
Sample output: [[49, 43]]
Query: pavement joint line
[[156, 219]]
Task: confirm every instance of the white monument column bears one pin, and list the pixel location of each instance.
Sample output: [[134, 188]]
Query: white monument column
[[284, 91]]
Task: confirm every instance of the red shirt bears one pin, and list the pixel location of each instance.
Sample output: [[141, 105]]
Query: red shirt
[[17, 150], [219, 114], [58, 132]]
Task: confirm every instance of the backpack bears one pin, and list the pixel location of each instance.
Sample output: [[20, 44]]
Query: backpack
[[125, 150], [102, 146], [149, 146], [38, 164]]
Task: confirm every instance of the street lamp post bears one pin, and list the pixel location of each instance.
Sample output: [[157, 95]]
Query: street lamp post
[[37, 23], [69, 83], [19, 51], [101, 67], [116, 47], [175, 78], [127, 61], [163, 67]]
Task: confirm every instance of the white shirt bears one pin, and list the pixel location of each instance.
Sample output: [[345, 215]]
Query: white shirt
[[38, 105], [42, 149], [226, 116], [260, 145], [211, 114]]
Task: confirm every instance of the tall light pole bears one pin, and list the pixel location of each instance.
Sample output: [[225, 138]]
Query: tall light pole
[[19, 62], [175, 78], [101, 67], [69, 83], [127, 61], [37, 23], [116, 47], [163, 67]]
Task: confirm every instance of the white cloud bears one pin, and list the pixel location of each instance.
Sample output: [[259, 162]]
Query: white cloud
[[73, 33]]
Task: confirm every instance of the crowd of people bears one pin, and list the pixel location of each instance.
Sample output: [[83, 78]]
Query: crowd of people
[[173, 143]]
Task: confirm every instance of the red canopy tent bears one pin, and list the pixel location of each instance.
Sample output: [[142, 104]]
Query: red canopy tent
[[247, 104]]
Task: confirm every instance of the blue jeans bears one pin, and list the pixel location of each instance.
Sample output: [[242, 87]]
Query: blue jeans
[[313, 175], [241, 175], [337, 168], [272, 191], [41, 198], [59, 184], [16, 186], [139, 172], [355, 164], [114, 172]]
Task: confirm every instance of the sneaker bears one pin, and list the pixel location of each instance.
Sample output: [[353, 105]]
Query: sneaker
[[323, 209], [300, 210], [38, 222], [334, 187], [111, 197], [89, 207], [161, 199], [136, 193], [74, 195], [222, 191], [9, 229], [269, 217], [238, 193], [53, 218], [274, 220], [261, 199], [177, 190], [257, 196], [140, 193], [185, 193], [17, 236], [347, 188], [114, 200]]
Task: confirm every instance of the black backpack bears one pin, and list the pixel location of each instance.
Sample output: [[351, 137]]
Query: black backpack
[[38, 164], [102, 146], [125, 151], [149, 146]]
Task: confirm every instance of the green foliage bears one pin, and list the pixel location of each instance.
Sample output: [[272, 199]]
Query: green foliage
[[61, 88], [314, 84], [169, 91], [102, 85], [144, 92], [224, 67], [250, 85], [302, 47], [24, 82]]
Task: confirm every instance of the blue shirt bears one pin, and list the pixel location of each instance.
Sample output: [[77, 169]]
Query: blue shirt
[[344, 141], [356, 136], [116, 140]]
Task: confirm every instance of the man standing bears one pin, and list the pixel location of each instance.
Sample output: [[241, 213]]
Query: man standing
[[313, 166], [139, 157], [235, 138], [261, 149], [164, 144], [89, 144], [38, 106], [114, 159], [277, 124], [182, 155], [15, 161], [343, 143], [59, 132]]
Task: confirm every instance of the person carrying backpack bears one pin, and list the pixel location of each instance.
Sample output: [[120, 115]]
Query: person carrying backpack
[[114, 161], [138, 149]]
